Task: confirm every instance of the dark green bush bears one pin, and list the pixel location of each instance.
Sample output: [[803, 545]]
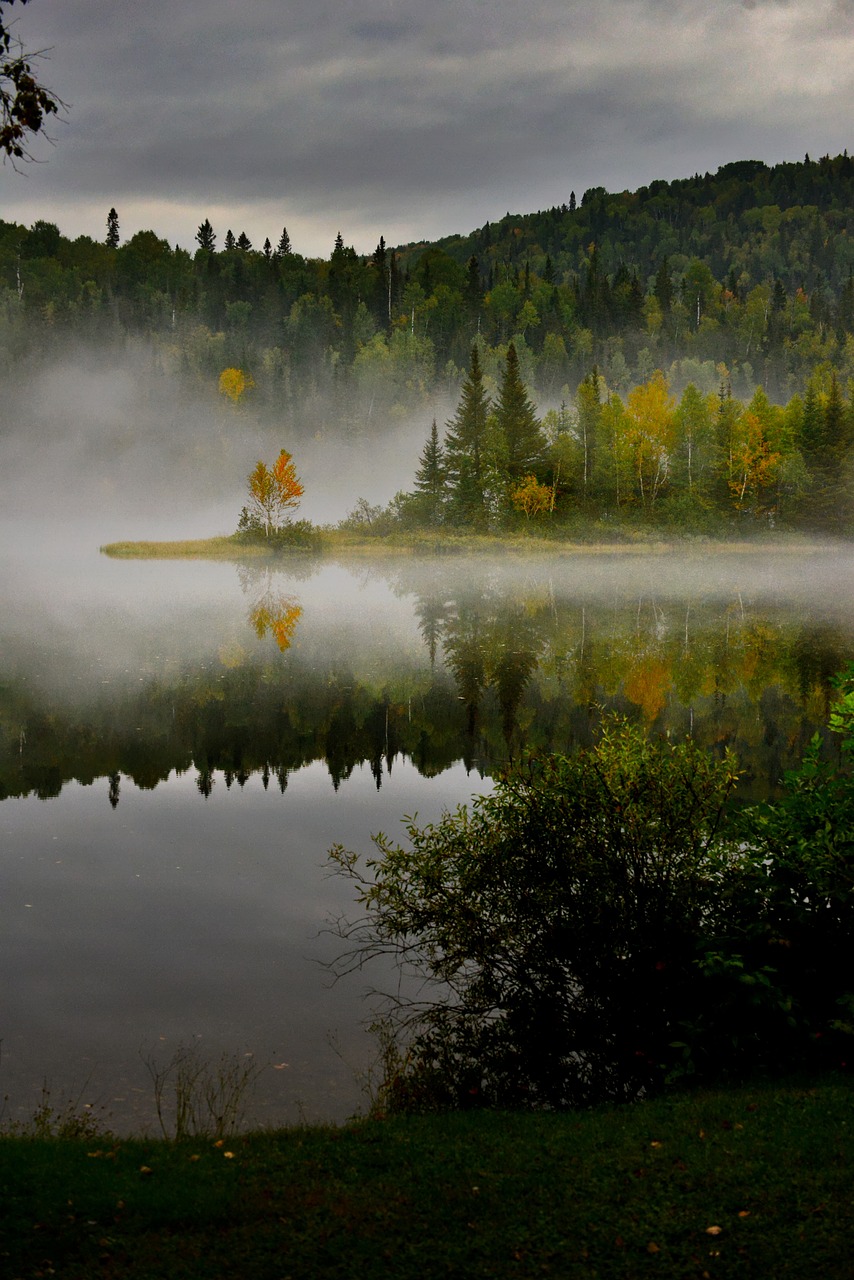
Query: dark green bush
[[591, 931], [297, 534], [556, 920]]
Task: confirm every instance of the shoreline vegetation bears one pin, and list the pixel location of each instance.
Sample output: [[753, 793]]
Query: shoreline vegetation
[[342, 543], [753, 1181]]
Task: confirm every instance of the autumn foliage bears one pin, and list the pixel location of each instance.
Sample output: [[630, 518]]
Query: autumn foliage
[[273, 491], [234, 384], [531, 497], [277, 616]]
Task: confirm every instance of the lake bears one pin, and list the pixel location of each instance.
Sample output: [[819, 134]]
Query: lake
[[182, 742]]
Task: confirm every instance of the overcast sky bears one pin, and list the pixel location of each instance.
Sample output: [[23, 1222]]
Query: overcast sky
[[411, 118]]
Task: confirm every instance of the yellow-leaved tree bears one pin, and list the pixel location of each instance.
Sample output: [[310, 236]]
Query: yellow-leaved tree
[[234, 383], [273, 491], [279, 615], [650, 436], [532, 497]]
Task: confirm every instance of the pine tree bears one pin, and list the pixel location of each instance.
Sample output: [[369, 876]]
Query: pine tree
[[813, 440], [112, 239], [663, 287], [520, 437], [465, 450], [229, 240], [284, 245], [430, 478], [835, 421], [381, 284], [588, 416], [206, 236], [473, 291], [243, 242], [268, 249]]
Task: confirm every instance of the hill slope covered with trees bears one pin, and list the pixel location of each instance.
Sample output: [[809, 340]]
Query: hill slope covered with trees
[[723, 283]]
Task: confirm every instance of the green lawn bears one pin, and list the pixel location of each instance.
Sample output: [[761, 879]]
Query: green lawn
[[752, 1182]]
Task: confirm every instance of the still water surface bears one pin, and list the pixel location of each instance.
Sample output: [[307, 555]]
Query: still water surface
[[181, 743]]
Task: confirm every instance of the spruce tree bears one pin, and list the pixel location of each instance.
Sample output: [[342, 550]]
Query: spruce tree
[[284, 245], [465, 450], [588, 419], [520, 436], [430, 478], [229, 239], [112, 239], [206, 236], [243, 242], [663, 287]]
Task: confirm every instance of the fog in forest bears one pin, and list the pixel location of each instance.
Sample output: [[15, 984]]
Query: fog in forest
[[110, 446]]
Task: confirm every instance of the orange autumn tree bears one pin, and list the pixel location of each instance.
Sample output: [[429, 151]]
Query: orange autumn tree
[[531, 497], [273, 491], [754, 466], [279, 615]]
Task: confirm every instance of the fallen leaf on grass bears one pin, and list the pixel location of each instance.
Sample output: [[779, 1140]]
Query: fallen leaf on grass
[[713, 1231]]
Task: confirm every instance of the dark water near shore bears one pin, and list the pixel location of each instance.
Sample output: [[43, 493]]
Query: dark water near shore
[[181, 742]]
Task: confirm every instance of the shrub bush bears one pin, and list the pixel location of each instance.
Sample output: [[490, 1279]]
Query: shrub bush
[[591, 930]]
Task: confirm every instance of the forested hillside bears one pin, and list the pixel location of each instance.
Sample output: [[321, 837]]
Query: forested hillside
[[725, 283]]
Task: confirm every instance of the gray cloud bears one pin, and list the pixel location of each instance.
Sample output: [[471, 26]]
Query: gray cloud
[[414, 118]]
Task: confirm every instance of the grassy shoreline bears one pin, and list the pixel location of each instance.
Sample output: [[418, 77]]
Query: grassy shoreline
[[752, 1182], [343, 543]]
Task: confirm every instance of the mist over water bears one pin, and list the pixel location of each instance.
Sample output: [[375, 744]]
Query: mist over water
[[182, 742]]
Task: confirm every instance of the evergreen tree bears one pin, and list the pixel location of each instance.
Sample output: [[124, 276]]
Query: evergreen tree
[[229, 240], [430, 478], [845, 318], [589, 412], [465, 450], [268, 249], [663, 287], [381, 284], [835, 421], [378, 257], [824, 440], [284, 245], [243, 242], [112, 240], [520, 437], [813, 440], [206, 236], [473, 292]]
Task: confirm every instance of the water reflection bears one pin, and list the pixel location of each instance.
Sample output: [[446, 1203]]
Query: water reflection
[[238, 723], [271, 610], [436, 664]]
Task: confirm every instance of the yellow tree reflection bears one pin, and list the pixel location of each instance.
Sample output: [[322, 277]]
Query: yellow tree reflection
[[277, 615]]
